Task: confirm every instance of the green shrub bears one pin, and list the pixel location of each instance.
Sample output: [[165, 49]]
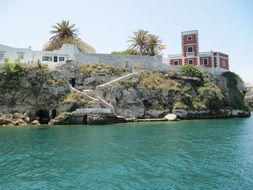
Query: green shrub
[[11, 68], [191, 71]]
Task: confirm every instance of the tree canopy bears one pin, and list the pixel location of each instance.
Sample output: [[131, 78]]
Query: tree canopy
[[64, 30], [146, 43], [66, 33]]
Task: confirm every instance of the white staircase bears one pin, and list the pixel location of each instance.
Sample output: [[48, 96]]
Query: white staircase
[[117, 79], [92, 95]]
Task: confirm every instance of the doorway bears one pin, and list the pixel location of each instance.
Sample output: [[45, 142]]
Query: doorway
[[55, 59]]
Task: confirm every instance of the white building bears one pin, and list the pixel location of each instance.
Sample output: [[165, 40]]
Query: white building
[[27, 55]]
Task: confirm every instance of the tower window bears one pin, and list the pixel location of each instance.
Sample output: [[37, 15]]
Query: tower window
[[190, 61], [189, 38], [189, 49], [205, 61]]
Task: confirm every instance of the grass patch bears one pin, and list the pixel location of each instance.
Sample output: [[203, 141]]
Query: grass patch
[[105, 68], [158, 81]]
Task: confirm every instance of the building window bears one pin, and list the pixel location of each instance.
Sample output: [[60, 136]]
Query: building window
[[21, 55], [47, 58], [2, 55], [190, 61], [189, 38], [61, 58], [175, 62], [205, 61], [189, 49]]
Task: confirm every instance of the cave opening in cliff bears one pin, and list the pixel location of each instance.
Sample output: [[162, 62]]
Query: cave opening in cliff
[[53, 114], [72, 82], [43, 116], [85, 119]]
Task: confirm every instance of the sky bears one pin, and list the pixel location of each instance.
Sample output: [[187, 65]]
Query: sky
[[223, 25]]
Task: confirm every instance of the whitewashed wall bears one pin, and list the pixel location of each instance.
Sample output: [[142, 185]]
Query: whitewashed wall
[[134, 61]]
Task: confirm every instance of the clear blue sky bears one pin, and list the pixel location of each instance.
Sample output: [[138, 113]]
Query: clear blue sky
[[224, 25]]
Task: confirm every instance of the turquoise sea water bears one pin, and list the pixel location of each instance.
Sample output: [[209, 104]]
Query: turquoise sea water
[[203, 154]]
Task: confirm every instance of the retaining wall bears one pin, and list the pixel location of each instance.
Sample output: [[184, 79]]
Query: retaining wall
[[130, 61]]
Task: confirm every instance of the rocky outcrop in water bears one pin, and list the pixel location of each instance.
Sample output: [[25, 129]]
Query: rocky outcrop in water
[[17, 119]]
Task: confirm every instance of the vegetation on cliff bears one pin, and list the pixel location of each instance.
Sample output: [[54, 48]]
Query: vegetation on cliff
[[184, 93]]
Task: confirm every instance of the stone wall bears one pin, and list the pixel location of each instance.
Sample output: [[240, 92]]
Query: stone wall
[[129, 61]]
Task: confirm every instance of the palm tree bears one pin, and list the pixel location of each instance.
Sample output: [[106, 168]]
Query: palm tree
[[154, 45], [139, 41], [63, 31]]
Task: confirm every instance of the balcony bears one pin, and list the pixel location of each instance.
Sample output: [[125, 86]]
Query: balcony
[[190, 54]]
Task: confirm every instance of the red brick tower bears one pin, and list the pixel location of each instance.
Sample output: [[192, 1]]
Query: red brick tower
[[190, 47]]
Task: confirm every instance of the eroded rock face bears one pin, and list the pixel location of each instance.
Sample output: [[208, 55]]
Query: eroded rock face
[[133, 100], [233, 90], [89, 76], [31, 89]]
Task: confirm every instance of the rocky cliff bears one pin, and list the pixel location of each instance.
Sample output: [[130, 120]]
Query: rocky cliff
[[152, 95], [41, 94], [32, 89]]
